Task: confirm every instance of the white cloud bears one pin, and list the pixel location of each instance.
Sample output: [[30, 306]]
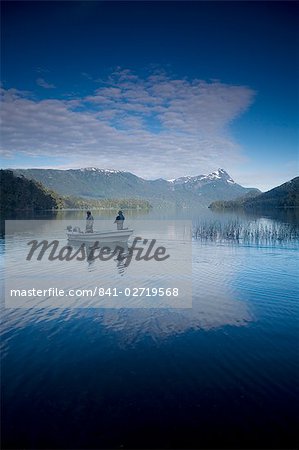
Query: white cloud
[[41, 82], [154, 127]]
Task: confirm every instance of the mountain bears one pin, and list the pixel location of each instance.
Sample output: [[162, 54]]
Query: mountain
[[90, 203], [283, 196], [20, 193], [95, 183], [218, 185], [200, 180], [17, 192]]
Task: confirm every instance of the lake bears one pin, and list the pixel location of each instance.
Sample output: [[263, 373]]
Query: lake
[[221, 374]]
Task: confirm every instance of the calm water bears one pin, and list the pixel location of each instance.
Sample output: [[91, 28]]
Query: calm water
[[219, 375]]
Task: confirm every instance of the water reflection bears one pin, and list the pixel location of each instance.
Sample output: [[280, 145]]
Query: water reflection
[[258, 231], [288, 215], [216, 301], [221, 275], [118, 251]]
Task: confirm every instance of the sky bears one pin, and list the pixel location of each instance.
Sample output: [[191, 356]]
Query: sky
[[160, 89]]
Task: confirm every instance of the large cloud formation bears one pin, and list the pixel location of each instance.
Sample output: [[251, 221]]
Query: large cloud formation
[[155, 126]]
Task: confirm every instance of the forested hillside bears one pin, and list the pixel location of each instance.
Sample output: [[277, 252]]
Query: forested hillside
[[19, 193], [283, 196]]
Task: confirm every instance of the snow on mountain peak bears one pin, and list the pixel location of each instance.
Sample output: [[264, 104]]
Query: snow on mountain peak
[[219, 174], [96, 169]]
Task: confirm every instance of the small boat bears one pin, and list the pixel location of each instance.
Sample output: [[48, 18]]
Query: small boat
[[75, 234]]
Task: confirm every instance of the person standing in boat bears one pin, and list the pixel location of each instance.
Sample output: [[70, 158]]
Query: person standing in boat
[[89, 222], [120, 220]]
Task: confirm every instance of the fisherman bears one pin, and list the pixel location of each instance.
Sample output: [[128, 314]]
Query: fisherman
[[89, 222], [120, 220]]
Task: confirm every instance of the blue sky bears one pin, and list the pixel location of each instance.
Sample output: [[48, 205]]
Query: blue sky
[[162, 89]]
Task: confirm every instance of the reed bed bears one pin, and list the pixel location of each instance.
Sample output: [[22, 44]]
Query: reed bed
[[247, 232]]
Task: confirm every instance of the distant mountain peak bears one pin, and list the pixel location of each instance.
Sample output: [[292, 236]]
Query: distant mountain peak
[[96, 169], [219, 174]]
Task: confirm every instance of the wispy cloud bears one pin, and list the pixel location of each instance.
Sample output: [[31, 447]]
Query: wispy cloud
[[156, 126], [43, 83], [41, 70], [86, 75]]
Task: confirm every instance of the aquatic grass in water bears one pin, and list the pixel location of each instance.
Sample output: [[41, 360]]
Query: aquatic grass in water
[[257, 232]]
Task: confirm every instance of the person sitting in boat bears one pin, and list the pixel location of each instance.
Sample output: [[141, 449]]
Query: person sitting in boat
[[89, 222], [120, 220]]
